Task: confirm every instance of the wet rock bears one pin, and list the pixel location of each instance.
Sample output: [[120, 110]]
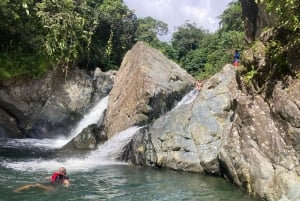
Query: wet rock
[[86, 140], [51, 106]]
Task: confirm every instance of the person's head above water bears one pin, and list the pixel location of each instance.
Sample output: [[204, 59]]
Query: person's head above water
[[60, 177], [62, 170]]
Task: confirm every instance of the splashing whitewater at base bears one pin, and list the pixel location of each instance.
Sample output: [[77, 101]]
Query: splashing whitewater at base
[[106, 154]]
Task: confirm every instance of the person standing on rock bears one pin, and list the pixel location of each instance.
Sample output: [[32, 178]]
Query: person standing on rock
[[236, 60]]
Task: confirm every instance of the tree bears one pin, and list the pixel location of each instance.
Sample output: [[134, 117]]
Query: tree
[[187, 38], [39, 34], [149, 29], [21, 33], [115, 30], [65, 31], [286, 12], [203, 54], [231, 18]]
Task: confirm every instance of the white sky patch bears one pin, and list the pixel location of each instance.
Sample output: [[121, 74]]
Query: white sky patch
[[175, 13]]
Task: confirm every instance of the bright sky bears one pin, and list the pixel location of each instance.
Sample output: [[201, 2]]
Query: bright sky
[[176, 12]]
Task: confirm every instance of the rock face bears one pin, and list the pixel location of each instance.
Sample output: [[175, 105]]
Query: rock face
[[146, 86], [224, 131], [258, 155], [49, 107], [285, 106], [190, 136], [255, 18], [88, 139]]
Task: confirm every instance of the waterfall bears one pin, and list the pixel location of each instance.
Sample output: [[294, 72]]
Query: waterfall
[[111, 149], [188, 98], [106, 154], [92, 117]]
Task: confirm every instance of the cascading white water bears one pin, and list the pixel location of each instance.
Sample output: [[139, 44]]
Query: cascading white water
[[188, 98], [106, 154], [92, 117], [111, 149]]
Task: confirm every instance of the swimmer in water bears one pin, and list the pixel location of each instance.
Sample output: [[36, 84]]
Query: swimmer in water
[[59, 177]]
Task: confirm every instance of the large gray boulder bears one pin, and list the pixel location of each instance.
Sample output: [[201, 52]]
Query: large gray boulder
[[147, 85], [189, 137], [20, 101]]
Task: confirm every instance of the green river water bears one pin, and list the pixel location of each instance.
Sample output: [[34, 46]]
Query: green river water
[[94, 178]]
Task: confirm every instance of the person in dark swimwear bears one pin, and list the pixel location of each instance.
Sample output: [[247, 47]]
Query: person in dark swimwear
[[59, 177]]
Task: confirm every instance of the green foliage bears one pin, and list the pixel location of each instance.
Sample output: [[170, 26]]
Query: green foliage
[[114, 17], [22, 65], [230, 19], [64, 33], [215, 51], [201, 53], [21, 36], [250, 75], [286, 12], [149, 29], [169, 51], [287, 41], [187, 38], [38, 35]]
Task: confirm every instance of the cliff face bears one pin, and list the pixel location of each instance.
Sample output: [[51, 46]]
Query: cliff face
[[49, 107], [255, 18]]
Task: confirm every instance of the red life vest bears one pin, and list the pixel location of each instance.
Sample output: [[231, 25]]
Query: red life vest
[[55, 176]]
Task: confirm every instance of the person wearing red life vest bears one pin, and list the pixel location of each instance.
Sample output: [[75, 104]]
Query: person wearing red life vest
[[59, 177]]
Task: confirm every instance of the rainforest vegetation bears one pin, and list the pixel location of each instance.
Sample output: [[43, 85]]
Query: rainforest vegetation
[[39, 35]]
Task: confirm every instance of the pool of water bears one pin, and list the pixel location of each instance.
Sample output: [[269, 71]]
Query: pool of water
[[121, 182], [97, 176]]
